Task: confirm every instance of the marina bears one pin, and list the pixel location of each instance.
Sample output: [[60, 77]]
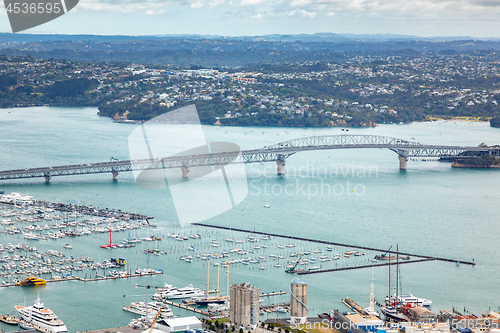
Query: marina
[[339, 244], [425, 202]]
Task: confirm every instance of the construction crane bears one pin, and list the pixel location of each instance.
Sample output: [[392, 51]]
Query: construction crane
[[154, 321], [382, 256], [294, 268]]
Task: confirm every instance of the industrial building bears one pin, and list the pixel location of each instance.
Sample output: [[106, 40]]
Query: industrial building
[[179, 324], [244, 305], [298, 302], [421, 313]]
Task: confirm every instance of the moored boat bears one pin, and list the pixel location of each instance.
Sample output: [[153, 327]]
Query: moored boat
[[8, 319], [32, 281], [42, 317]]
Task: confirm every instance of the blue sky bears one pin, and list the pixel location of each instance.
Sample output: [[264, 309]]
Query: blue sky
[[480, 18]]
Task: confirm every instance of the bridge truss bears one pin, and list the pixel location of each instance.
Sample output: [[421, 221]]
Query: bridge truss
[[274, 153]]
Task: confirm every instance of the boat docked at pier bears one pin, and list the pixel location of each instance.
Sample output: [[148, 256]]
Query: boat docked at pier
[[42, 317], [392, 313], [186, 292], [32, 281], [409, 299], [149, 309], [8, 319]]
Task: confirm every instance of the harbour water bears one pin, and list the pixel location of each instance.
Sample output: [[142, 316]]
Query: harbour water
[[347, 196]]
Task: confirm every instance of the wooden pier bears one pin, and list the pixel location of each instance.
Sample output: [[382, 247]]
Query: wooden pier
[[465, 262]]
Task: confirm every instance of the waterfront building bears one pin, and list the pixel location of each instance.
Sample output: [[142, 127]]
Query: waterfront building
[[298, 301], [244, 305]]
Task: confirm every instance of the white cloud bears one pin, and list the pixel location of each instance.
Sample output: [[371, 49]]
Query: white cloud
[[300, 3], [196, 5], [303, 13], [151, 12], [258, 16], [124, 7], [251, 2], [215, 3]]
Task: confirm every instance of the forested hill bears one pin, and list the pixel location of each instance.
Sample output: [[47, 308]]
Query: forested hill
[[217, 51]]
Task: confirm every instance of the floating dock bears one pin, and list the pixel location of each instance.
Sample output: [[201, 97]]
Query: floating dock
[[303, 272], [97, 278]]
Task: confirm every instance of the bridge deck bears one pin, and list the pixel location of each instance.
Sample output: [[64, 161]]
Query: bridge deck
[[278, 152]]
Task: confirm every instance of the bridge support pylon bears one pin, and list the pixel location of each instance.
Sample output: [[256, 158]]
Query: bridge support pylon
[[115, 175], [47, 178], [281, 167], [402, 162], [185, 172]]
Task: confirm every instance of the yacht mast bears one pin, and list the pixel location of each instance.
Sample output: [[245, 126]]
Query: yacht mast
[[227, 290], [218, 279], [208, 278], [397, 271], [372, 297], [389, 295]]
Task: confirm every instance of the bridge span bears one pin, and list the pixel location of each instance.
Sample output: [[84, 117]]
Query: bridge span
[[275, 153]]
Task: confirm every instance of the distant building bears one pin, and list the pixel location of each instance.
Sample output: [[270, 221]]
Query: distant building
[[244, 305], [421, 313]]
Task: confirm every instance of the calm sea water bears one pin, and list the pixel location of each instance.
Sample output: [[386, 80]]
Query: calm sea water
[[349, 196]]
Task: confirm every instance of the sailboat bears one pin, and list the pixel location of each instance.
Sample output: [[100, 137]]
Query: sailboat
[[110, 245], [405, 300], [389, 310], [370, 310]]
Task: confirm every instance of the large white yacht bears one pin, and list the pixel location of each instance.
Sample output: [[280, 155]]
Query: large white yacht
[[151, 309], [41, 316], [186, 292], [397, 299]]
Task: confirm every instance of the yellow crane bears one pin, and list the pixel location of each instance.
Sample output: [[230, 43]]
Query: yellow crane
[[154, 321]]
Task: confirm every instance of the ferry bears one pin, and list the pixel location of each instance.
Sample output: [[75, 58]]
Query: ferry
[[32, 281], [42, 317], [405, 299]]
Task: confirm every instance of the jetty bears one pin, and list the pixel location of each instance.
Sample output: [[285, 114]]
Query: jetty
[[91, 210], [354, 246], [38, 328], [97, 277], [185, 307], [303, 272]]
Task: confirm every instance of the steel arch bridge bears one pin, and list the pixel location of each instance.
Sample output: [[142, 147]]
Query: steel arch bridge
[[275, 153]]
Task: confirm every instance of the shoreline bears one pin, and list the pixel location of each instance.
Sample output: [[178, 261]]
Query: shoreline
[[370, 124], [454, 164]]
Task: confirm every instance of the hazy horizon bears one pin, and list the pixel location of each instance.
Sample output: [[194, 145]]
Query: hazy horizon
[[237, 18]]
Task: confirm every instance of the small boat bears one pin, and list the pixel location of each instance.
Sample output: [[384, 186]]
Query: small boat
[[26, 326], [68, 246], [267, 206]]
